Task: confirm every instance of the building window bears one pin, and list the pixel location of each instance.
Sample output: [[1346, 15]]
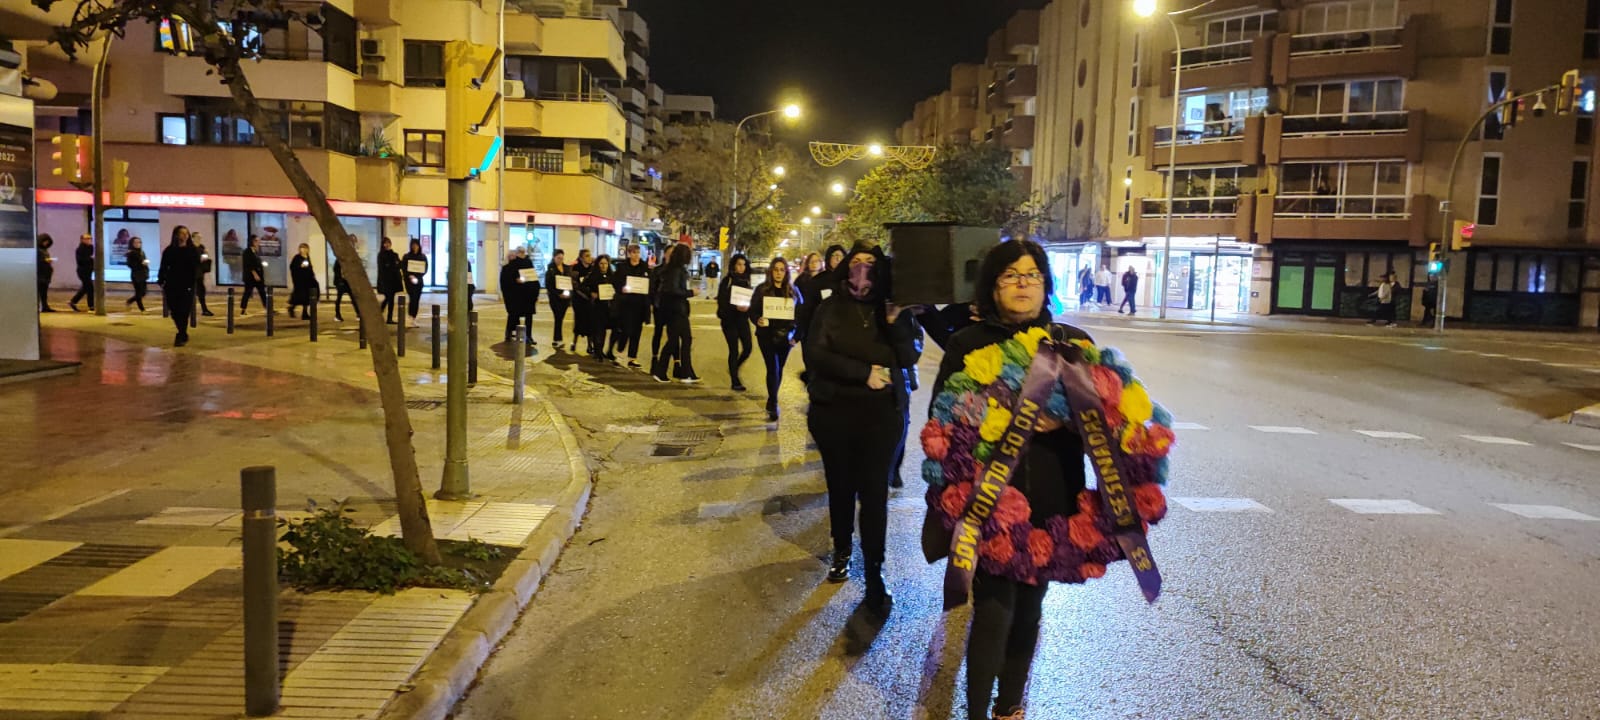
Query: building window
[[172, 129], [1349, 16], [1499, 84], [1205, 192], [1371, 189], [1127, 193], [1578, 195], [425, 148], [1133, 126], [1500, 28], [1374, 105], [424, 63], [1585, 113], [213, 121], [1591, 30], [1524, 272], [1489, 190], [1135, 66], [1242, 28]]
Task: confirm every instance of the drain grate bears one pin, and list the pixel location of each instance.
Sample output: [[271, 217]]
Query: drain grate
[[424, 404], [686, 437], [672, 450]]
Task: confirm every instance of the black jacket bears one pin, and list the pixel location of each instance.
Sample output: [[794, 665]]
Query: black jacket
[[635, 303], [85, 257], [551, 272], [580, 278], [390, 279], [726, 310], [1130, 283], [413, 279], [596, 278], [775, 329], [847, 337], [303, 281], [46, 266], [138, 265], [339, 282], [1051, 472], [254, 271], [204, 268], [520, 297], [179, 267]]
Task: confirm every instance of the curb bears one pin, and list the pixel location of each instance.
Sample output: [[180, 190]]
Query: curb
[[1588, 417], [453, 666]]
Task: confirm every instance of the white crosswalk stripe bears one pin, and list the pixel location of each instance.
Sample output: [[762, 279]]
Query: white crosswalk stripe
[[1581, 446], [1546, 512], [1188, 426], [1389, 435], [1221, 504], [1494, 440], [1282, 430], [1370, 506]]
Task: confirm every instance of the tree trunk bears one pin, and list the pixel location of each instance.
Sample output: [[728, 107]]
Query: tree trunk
[[414, 524]]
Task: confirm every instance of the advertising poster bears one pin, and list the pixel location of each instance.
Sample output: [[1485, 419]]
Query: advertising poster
[[16, 187]]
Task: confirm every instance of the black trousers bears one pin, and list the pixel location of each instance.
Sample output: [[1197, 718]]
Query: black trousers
[[1005, 633], [1386, 312], [580, 322], [414, 298], [200, 295], [140, 287], [857, 441], [44, 294], [180, 303], [387, 308], [338, 300], [85, 290], [737, 334], [258, 288], [774, 354], [559, 307], [1127, 302], [514, 319], [678, 347], [627, 326], [655, 340], [599, 323]]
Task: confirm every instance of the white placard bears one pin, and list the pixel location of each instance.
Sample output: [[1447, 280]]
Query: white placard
[[740, 296], [777, 308], [637, 286], [416, 267], [826, 293], [563, 282], [606, 292], [529, 275]]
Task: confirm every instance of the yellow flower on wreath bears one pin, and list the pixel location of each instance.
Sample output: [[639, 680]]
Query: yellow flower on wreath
[[984, 364], [1136, 407], [995, 422], [1031, 338]]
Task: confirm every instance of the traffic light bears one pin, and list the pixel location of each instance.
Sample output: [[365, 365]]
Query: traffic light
[[472, 101], [1461, 238], [68, 157], [1511, 112], [119, 183], [722, 239], [1570, 94], [1435, 259]]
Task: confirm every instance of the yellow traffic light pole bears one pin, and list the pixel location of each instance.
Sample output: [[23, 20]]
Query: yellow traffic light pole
[[97, 155]]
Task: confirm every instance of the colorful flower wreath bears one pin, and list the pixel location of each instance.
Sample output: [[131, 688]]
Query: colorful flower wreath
[[972, 413]]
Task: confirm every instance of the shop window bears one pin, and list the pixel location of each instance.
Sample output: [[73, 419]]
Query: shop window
[[368, 232], [1489, 190], [122, 226], [424, 64], [1500, 28], [425, 148], [1578, 194], [1499, 83], [234, 230]]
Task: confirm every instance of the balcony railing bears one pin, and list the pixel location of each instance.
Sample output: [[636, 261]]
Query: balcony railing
[[1220, 206], [1381, 123], [1226, 53], [594, 96], [1341, 206], [1209, 132], [1345, 41], [546, 161]]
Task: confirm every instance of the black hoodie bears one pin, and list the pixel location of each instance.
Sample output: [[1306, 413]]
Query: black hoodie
[[848, 336]]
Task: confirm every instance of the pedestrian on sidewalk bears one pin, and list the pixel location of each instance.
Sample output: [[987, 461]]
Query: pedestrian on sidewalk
[[201, 271], [1385, 296], [1102, 286], [1130, 288], [672, 307], [857, 349], [390, 280], [631, 306], [341, 288], [582, 302], [520, 295], [659, 333], [180, 264], [709, 274], [138, 271], [1085, 287], [45, 270], [255, 274], [560, 299], [735, 318], [601, 287], [1430, 299], [775, 330], [303, 282], [416, 268], [84, 255]]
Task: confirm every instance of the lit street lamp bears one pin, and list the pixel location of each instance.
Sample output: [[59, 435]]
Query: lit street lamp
[[816, 210], [836, 188], [875, 150], [779, 171], [805, 221], [790, 111]]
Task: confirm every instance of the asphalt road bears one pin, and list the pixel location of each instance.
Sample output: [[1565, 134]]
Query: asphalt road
[[694, 589]]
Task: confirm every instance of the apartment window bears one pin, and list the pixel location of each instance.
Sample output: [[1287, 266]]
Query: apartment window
[[1346, 99], [172, 129], [1134, 66], [1524, 272], [1591, 30], [1585, 113], [1206, 192], [424, 63], [1350, 16], [1241, 28], [1374, 188], [1500, 28], [1578, 195], [1499, 84], [1133, 126], [425, 148], [1489, 190], [1127, 193]]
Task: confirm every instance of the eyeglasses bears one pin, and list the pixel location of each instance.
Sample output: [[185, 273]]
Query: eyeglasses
[[1015, 279]]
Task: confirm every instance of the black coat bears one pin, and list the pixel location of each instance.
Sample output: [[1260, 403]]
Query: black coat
[[636, 305], [413, 279], [138, 265], [85, 257], [1130, 283], [849, 336], [339, 283], [46, 267], [303, 279], [775, 329], [204, 268], [390, 279], [254, 271], [812, 289], [551, 272], [592, 282], [180, 265], [520, 298], [726, 310]]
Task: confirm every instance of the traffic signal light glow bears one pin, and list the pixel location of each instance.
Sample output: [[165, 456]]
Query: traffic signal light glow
[[119, 183], [69, 157]]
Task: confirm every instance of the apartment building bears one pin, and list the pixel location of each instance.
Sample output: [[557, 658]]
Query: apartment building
[[362, 100], [950, 117], [689, 109], [1009, 84], [1313, 145]]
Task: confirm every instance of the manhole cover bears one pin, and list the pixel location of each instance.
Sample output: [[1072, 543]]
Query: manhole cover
[[686, 437], [424, 404], [671, 451]]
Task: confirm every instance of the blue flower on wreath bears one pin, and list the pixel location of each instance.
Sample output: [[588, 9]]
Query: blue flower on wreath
[[942, 407], [933, 472], [1056, 406], [1012, 376]]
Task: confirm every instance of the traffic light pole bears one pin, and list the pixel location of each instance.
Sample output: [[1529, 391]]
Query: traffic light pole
[[97, 157], [456, 485]]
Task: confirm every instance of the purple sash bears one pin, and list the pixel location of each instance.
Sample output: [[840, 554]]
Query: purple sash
[[1049, 367]]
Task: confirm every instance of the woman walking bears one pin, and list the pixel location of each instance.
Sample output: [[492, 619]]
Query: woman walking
[[179, 263], [601, 288], [303, 281], [46, 270], [582, 302], [775, 329], [560, 298], [735, 317], [855, 350], [520, 294], [255, 274], [200, 273], [415, 265], [390, 280], [672, 308], [139, 269], [341, 288], [632, 305]]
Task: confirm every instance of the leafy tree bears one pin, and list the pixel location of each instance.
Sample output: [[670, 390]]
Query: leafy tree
[[890, 193], [700, 178], [967, 185], [219, 27]]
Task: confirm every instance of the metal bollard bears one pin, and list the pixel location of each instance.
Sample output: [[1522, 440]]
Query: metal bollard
[[258, 492], [269, 312], [438, 330], [400, 331], [314, 303], [472, 348], [230, 311], [519, 360]]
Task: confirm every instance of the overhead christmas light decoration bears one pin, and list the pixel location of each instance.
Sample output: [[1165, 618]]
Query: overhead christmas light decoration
[[916, 157]]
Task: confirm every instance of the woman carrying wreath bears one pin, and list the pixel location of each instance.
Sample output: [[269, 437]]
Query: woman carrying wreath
[[1044, 519]]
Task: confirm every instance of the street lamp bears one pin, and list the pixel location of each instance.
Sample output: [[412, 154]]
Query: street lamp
[[875, 150], [790, 111], [1145, 9], [779, 171], [816, 210], [837, 188], [805, 221]]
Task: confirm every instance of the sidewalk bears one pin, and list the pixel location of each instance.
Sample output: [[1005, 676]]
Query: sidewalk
[[119, 520]]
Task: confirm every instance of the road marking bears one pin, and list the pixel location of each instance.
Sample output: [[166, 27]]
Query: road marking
[[63, 512], [1389, 435], [19, 555], [1221, 504], [1546, 512], [67, 687], [1282, 430], [166, 573], [633, 429], [1382, 507], [191, 516], [1188, 426], [1581, 446], [1494, 440]]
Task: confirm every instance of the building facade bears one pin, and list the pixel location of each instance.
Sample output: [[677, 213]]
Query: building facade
[[1313, 145], [362, 101]]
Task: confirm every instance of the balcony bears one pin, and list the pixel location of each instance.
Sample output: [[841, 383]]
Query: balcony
[[658, 97], [222, 170], [567, 193], [1220, 142], [634, 27], [1243, 63], [376, 13], [1222, 215], [303, 80], [524, 32], [1340, 137], [1017, 133], [637, 169], [584, 116], [636, 137], [378, 97], [1376, 52], [523, 117], [1333, 217], [637, 67], [595, 40], [655, 125], [1022, 82], [633, 99]]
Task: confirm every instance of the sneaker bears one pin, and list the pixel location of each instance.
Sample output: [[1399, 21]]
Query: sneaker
[[557, 345], [181, 340], [74, 307], [738, 386], [840, 570], [661, 378], [772, 415], [634, 365], [208, 313], [690, 380]]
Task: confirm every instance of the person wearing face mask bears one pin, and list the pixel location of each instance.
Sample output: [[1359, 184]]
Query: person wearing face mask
[[775, 330], [735, 318], [179, 264], [303, 281], [138, 270], [856, 349], [632, 305], [560, 299]]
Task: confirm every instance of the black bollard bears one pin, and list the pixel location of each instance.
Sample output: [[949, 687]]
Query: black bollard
[[519, 366], [361, 334], [400, 331], [314, 303], [258, 492], [230, 311], [269, 312], [438, 331], [472, 348]]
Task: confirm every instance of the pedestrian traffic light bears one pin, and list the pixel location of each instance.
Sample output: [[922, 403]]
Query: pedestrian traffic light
[[68, 157], [472, 102], [119, 183], [1461, 238], [1570, 94], [1435, 259]]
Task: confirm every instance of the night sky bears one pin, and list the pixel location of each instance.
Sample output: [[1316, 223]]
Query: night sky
[[861, 65]]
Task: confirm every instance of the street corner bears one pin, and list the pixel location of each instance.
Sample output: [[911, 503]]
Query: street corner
[[1588, 417]]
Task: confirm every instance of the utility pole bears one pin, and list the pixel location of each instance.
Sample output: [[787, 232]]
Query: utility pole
[[472, 102], [97, 155]]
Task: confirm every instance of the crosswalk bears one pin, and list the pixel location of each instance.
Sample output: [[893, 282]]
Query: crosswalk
[[1378, 506], [1182, 427]]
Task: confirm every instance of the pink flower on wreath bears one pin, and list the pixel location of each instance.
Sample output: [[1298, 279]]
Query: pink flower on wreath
[[1107, 384], [1093, 571], [1149, 502], [953, 502], [1013, 508], [970, 408], [935, 440], [998, 549], [1040, 546], [1083, 533]]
